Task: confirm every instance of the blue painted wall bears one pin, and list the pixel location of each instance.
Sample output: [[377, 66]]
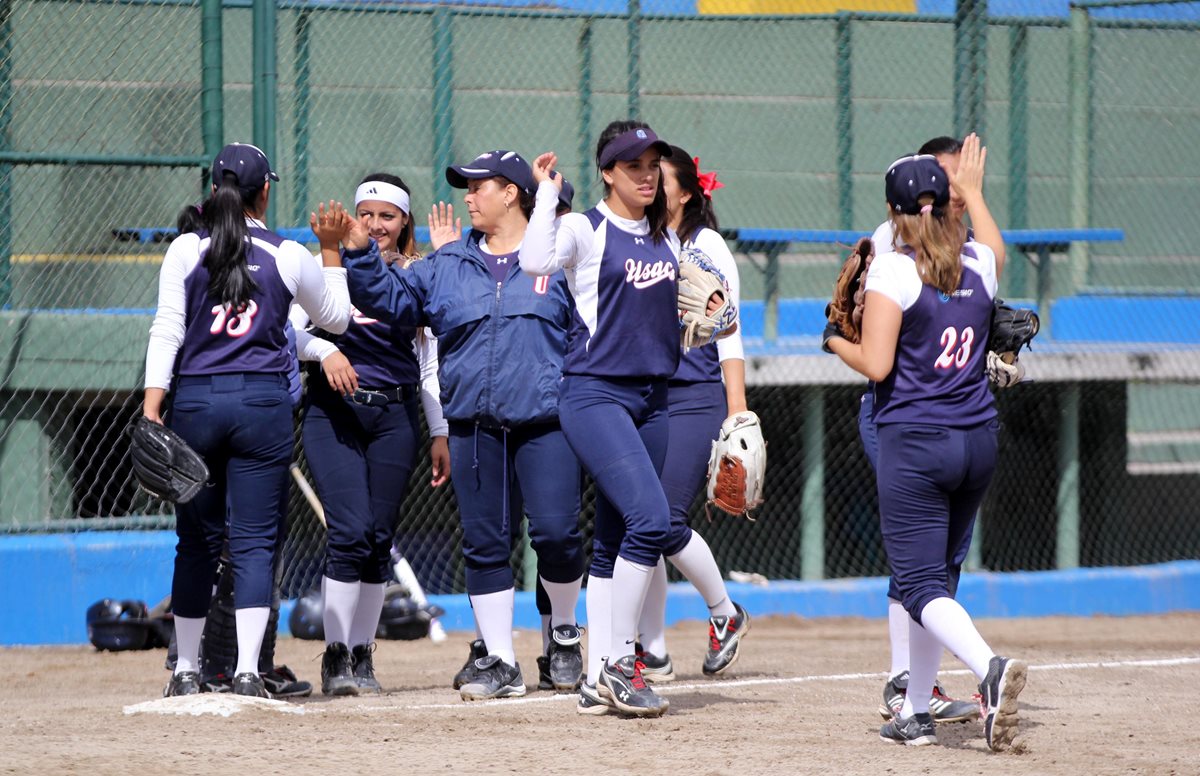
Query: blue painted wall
[[52, 580]]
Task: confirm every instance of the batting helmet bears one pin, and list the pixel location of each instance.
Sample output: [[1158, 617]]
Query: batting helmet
[[402, 618], [119, 625], [307, 618]]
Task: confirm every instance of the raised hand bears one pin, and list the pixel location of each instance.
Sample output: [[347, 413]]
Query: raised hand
[[968, 180], [356, 235], [543, 169], [329, 223], [443, 226]]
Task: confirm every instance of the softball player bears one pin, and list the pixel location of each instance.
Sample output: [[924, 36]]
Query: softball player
[[501, 339], [698, 403], [223, 300], [361, 437], [621, 259], [928, 313]]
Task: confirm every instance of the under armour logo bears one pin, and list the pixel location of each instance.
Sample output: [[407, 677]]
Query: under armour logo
[[502, 261], [638, 241]]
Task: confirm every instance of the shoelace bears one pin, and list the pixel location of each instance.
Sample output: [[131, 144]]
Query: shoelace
[[978, 698], [637, 681], [730, 626]]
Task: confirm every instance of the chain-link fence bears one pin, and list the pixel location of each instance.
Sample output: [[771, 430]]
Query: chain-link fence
[[109, 112]]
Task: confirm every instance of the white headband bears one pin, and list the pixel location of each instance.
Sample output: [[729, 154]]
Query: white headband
[[383, 192]]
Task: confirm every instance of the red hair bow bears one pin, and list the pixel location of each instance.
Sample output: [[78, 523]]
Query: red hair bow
[[708, 180]]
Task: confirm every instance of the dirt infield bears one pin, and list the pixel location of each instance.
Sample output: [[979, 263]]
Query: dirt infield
[[801, 699]]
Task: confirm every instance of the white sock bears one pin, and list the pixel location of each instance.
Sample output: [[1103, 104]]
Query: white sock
[[366, 614], [898, 621], [925, 655], [599, 625], [629, 584], [563, 597], [188, 631], [494, 618], [652, 628], [949, 623], [251, 626], [341, 599], [545, 634], [696, 562]]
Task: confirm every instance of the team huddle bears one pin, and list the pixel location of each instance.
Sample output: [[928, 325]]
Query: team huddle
[[542, 344]]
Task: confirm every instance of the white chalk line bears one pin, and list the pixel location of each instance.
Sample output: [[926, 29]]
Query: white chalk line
[[720, 685]]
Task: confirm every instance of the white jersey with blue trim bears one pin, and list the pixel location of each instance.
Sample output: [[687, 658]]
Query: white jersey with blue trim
[[624, 284]]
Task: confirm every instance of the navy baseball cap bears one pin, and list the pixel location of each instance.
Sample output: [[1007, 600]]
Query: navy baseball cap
[[628, 146], [508, 164], [566, 197], [911, 176], [245, 161]]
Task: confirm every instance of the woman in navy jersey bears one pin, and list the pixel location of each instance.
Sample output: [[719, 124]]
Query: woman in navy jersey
[[218, 334], [361, 438], [621, 259], [708, 387], [925, 330], [501, 338]]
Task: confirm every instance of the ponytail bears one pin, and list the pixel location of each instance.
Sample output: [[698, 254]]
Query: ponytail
[[937, 238], [229, 243]]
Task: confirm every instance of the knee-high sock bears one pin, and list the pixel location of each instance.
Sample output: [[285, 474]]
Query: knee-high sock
[[563, 597], [341, 599], [925, 655], [494, 617], [696, 562], [599, 625], [629, 584], [251, 625], [898, 621], [950, 624], [366, 614], [188, 631], [545, 634], [652, 628]]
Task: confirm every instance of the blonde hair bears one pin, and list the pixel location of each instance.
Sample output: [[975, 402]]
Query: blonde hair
[[937, 238]]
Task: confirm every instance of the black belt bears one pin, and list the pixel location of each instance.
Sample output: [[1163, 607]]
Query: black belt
[[382, 396]]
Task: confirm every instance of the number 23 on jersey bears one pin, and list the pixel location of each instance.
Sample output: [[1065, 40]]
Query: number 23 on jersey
[[956, 348]]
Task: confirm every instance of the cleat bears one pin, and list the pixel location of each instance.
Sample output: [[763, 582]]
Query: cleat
[[656, 670], [917, 730], [183, 683], [364, 668], [217, 683], [622, 684], [998, 701], [543, 664], [478, 650], [565, 658], [591, 701], [941, 706], [337, 671], [281, 682], [251, 684], [493, 679], [724, 638]]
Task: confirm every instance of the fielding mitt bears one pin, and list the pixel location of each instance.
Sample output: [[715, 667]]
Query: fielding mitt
[[737, 465], [699, 279], [163, 463], [845, 311], [1011, 330]]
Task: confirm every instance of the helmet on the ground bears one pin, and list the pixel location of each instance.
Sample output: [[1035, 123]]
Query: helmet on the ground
[[119, 625], [402, 618], [307, 618]]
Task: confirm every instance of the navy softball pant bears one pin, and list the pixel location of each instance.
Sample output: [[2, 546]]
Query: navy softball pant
[[931, 484], [241, 424], [361, 458], [869, 433], [619, 428], [501, 474], [696, 412]]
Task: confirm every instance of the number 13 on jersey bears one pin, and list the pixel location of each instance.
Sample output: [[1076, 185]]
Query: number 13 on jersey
[[956, 348], [236, 325]]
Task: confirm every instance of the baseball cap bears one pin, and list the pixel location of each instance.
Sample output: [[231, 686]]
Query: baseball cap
[[567, 196], [630, 145], [508, 164], [911, 176], [247, 162]]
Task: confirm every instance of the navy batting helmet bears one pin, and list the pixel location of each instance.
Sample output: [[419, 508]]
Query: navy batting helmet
[[119, 625], [402, 618], [307, 618]]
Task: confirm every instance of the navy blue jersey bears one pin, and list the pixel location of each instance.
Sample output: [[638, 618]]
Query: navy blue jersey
[[626, 321], [938, 376], [699, 365], [382, 354], [220, 341]]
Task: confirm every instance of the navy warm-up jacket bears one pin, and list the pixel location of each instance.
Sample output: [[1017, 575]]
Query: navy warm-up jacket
[[500, 346]]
